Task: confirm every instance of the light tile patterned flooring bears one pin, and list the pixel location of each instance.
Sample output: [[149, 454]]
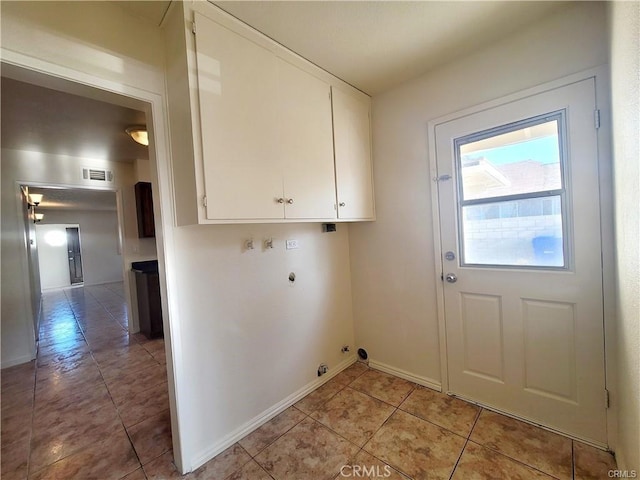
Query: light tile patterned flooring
[[94, 405]]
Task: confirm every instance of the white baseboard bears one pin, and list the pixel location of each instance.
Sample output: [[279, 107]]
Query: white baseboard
[[424, 381], [259, 420], [17, 361]]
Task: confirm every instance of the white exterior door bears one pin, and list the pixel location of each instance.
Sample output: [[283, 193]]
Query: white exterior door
[[519, 219]]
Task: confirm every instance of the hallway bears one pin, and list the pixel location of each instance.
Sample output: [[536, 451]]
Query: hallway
[[100, 408]]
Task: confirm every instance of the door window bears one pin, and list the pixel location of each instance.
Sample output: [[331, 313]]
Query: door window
[[511, 190]]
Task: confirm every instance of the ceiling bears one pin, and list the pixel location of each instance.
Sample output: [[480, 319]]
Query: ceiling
[[75, 199], [40, 119], [376, 45], [151, 10]]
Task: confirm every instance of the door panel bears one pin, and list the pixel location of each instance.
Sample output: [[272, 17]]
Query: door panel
[[306, 144], [352, 145], [75, 256], [523, 316], [482, 327], [237, 92], [549, 349]]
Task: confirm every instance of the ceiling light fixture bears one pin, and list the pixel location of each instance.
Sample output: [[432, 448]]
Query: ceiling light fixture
[[139, 134]]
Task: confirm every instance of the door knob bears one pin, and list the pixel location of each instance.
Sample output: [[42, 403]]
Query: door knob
[[451, 278], [280, 200], [290, 201], [342, 204]]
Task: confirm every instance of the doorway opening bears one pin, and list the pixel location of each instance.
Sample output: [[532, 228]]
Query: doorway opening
[[59, 255], [95, 338]]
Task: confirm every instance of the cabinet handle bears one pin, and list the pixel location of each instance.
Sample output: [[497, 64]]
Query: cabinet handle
[[290, 201], [280, 200], [342, 204]]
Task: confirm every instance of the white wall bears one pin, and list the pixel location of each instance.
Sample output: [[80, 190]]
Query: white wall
[[52, 257], [250, 338], [143, 170], [101, 260], [392, 260], [625, 67]]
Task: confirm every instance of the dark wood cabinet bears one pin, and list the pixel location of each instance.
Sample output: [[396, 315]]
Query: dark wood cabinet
[[144, 208], [149, 305], [149, 300]]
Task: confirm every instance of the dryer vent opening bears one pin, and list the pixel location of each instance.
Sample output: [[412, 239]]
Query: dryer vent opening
[[362, 354]]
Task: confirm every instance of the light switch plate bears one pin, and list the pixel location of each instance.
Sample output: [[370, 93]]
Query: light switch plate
[[291, 244]]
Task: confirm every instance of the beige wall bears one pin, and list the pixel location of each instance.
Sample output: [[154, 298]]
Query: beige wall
[[625, 81], [392, 260]]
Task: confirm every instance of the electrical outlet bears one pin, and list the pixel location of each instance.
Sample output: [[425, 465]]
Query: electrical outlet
[[292, 244], [345, 349]]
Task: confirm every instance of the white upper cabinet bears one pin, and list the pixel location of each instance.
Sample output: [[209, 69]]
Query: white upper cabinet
[[352, 143], [237, 85], [259, 134], [306, 149]]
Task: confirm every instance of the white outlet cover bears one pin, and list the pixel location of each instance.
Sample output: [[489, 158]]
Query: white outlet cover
[[292, 244]]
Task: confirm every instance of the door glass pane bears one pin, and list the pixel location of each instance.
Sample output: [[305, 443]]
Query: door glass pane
[[520, 233], [512, 162], [511, 194]]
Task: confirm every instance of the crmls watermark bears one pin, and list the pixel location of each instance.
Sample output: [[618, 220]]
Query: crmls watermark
[[364, 471], [622, 474]]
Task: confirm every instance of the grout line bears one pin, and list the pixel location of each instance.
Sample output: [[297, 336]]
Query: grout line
[[459, 458], [279, 436], [91, 351], [475, 421], [573, 461], [502, 454]]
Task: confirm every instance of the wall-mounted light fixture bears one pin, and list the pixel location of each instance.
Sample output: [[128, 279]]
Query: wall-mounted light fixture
[[33, 200], [139, 134], [37, 217]]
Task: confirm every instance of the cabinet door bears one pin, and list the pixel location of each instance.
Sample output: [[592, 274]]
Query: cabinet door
[[306, 145], [352, 143], [144, 210], [237, 82]]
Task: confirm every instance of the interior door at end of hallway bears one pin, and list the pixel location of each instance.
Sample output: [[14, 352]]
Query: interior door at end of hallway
[[523, 282], [75, 255]]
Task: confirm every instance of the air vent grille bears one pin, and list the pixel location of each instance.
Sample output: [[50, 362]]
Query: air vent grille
[[97, 174]]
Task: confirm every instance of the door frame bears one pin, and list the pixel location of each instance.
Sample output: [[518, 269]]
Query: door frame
[[603, 134], [38, 70]]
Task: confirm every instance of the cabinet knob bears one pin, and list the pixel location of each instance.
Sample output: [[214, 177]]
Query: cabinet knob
[[290, 201], [280, 200], [342, 204]]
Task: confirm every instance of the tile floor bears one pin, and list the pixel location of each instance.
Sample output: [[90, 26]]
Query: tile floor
[[94, 405]]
